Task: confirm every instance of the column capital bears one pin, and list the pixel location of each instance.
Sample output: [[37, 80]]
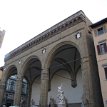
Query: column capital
[[45, 76]]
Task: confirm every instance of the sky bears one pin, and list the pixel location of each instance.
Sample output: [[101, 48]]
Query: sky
[[24, 19]]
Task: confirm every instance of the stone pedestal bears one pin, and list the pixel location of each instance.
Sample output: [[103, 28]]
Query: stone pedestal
[[88, 95]]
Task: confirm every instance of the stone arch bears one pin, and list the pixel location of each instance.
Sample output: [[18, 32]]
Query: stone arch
[[51, 53], [58, 61], [10, 83], [9, 72], [38, 76], [53, 50], [55, 73], [31, 70], [26, 62]]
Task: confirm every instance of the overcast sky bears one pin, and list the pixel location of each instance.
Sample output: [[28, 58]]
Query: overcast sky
[[24, 19]]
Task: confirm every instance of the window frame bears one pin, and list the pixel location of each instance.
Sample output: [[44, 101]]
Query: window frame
[[100, 32], [102, 50]]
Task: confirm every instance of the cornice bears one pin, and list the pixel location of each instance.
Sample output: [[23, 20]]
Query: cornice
[[54, 30]]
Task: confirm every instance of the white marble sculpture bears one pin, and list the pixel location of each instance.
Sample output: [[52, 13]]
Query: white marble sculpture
[[61, 98]]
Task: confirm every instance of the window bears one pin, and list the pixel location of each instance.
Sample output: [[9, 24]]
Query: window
[[100, 30], [105, 69], [102, 48]]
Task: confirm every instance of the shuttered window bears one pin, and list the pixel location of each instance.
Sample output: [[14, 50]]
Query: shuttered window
[[102, 48]]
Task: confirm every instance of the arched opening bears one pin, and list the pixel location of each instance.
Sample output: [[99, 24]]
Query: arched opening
[[10, 86], [35, 93], [65, 71], [32, 72]]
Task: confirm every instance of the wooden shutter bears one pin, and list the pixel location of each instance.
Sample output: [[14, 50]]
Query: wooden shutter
[[98, 49]]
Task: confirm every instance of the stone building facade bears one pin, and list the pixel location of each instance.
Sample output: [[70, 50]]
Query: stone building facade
[[2, 33], [1, 70], [99, 30], [63, 54]]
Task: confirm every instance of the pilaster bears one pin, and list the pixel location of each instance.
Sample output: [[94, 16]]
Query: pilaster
[[29, 95], [2, 87], [87, 98], [2, 90], [18, 89]]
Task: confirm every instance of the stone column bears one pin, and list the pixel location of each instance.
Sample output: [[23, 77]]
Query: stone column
[[44, 89], [2, 86], [18, 90], [87, 98], [2, 90], [29, 95]]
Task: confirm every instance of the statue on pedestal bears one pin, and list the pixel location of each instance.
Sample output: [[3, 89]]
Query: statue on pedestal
[[61, 97]]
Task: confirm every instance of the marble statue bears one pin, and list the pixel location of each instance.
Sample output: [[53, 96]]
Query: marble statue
[[61, 97]]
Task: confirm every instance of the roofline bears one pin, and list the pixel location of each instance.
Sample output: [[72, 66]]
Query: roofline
[[99, 23], [52, 31]]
